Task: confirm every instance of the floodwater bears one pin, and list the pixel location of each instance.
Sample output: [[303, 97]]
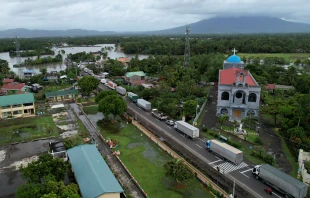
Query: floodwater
[[11, 157], [60, 66]]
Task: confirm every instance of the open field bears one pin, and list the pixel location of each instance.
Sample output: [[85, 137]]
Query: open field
[[288, 57], [145, 161], [91, 109], [25, 129]]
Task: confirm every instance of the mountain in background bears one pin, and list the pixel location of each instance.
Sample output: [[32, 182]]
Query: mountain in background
[[218, 25], [242, 25], [21, 32]]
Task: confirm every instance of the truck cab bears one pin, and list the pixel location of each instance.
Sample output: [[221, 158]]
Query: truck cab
[[208, 144], [255, 170]]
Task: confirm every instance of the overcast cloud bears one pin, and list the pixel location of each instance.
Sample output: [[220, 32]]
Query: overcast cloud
[[138, 15]]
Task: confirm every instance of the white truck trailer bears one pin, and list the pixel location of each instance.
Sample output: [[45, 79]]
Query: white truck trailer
[[224, 150], [144, 104], [121, 90], [280, 181], [187, 129]]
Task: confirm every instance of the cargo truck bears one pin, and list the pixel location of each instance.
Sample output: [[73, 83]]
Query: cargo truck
[[144, 104], [225, 151], [121, 90], [158, 115], [187, 129], [280, 181], [112, 85], [132, 96]]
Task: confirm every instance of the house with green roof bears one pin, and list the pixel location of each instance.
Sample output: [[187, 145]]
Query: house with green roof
[[62, 95], [18, 105], [93, 175], [135, 76]]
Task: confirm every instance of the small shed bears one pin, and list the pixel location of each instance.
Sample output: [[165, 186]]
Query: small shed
[[135, 76], [93, 175]]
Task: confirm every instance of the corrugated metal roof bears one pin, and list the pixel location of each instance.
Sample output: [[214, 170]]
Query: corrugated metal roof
[[61, 93], [91, 171], [137, 73], [16, 99]]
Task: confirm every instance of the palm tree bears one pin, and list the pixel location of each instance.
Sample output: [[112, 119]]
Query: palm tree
[[4, 66]]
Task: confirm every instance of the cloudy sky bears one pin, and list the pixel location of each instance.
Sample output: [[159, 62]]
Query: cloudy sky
[[138, 15]]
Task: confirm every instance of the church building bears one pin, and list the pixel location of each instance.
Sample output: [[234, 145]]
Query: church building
[[238, 92]]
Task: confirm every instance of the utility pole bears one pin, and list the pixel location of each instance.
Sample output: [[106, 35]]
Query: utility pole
[[187, 49]]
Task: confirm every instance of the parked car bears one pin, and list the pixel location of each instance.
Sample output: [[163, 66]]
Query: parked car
[[170, 122]]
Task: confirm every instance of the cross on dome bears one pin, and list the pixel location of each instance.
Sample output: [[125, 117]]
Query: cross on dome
[[234, 51]]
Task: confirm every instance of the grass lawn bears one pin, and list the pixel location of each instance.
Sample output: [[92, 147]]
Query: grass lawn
[[289, 57], [145, 161], [25, 129], [289, 156], [91, 109], [251, 133], [51, 88]]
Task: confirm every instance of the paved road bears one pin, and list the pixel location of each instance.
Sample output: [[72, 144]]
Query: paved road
[[240, 173]]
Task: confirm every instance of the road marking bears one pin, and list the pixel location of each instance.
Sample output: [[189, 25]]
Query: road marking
[[201, 140], [215, 161], [169, 127], [217, 157], [244, 175], [182, 135], [276, 194], [246, 170], [229, 167], [198, 146]]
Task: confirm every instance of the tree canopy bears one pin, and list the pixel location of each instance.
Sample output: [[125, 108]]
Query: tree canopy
[[112, 104], [102, 94], [88, 84], [177, 171], [45, 166]]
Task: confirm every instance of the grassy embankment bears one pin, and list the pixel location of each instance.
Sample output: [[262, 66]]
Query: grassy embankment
[[145, 161], [91, 109], [288, 57], [27, 129]]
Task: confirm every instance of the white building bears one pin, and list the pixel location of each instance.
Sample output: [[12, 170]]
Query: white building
[[238, 92]]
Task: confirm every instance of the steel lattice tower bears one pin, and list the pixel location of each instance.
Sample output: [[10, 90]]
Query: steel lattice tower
[[17, 52], [187, 49]]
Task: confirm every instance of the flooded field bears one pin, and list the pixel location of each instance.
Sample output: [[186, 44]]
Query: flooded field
[[11, 157]]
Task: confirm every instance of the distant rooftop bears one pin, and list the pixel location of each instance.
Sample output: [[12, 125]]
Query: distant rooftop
[[137, 73], [93, 175]]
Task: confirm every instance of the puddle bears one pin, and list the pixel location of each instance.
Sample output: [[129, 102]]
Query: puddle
[[2, 155], [24, 162]]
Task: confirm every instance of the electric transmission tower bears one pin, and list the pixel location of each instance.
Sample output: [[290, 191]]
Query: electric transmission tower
[[18, 59], [187, 49]]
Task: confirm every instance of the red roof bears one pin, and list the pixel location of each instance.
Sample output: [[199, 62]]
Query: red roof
[[228, 76], [8, 80], [271, 86], [13, 86]]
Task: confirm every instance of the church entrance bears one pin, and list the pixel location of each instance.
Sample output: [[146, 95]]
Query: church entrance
[[237, 113]]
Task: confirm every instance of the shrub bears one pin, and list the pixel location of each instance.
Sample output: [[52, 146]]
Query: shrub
[[234, 144], [204, 129], [258, 141]]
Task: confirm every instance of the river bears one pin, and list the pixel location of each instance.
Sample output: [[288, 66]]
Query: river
[[60, 66]]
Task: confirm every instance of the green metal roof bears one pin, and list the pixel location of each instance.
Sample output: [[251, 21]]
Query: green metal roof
[[61, 93], [91, 171], [138, 73], [16, 99]]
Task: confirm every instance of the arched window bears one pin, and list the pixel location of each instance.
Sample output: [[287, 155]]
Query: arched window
[[238, 95], [250, 113], [225, 96], [252, 97], [224, 111]]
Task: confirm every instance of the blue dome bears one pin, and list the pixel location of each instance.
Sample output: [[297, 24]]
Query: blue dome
[[234, 59]]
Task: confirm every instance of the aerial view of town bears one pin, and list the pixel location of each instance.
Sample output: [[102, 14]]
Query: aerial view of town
[[158, 99]]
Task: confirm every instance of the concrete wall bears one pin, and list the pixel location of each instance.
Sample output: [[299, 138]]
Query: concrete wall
[[110, 195], [18, 111], [302, 157], [242, 105]]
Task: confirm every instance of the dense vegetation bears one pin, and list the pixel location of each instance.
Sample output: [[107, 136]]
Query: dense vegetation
[[37, 52], [42, 60]]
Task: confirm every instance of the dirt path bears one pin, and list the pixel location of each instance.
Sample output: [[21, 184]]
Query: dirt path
[[273, 145]]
